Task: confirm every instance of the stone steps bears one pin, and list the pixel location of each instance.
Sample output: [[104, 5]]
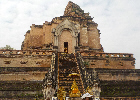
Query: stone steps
[[68, 65]]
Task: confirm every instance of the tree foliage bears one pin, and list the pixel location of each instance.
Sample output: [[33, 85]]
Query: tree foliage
[[7, 47]]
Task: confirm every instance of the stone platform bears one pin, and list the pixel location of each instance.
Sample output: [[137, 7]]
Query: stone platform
[[75, 98]]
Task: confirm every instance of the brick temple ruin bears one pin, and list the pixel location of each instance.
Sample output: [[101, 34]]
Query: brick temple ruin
[[68, 44]]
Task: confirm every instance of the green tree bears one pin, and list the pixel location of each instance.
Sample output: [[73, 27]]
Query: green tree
[[7, 47]]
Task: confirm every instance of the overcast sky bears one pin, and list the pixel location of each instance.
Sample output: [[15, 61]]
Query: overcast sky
[[118, 21]]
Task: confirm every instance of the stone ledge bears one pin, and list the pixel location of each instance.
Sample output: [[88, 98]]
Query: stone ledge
[[22, 69]]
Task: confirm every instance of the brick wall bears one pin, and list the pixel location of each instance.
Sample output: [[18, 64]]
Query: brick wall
[[26, 61], [26, 90], [118, 74], [23, 73], [108, 60]]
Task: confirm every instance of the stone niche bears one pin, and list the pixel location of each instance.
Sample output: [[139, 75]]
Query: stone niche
[[66, 36]]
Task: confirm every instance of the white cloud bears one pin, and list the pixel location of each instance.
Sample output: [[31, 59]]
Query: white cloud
[[118, 21]]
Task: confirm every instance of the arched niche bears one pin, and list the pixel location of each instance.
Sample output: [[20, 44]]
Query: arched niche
[[65, 28]]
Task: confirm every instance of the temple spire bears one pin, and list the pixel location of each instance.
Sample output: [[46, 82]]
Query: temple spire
[[73, 9]]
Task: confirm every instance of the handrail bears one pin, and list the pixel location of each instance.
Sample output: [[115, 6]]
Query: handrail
[[80, 75], [82, 69]]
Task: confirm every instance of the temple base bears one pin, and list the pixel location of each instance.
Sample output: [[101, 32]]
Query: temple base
[[75, 98]]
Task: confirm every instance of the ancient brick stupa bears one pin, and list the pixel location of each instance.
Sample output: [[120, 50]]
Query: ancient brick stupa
[[68, 44]]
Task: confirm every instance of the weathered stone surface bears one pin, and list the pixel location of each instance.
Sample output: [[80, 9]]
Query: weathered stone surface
[[75, 98], [120, 88], [22, 71], [83, 30], [21, 89]]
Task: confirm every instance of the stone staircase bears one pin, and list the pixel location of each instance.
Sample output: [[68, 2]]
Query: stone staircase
[[67, 64]]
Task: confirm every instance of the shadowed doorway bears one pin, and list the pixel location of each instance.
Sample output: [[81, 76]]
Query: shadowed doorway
[[65, 42], [66, 47]]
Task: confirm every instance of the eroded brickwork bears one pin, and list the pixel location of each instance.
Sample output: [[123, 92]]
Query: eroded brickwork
[[118, 74], [23, 74], [108, 60], [41, 36], [15, 58], [80, 32], [26, 62]]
